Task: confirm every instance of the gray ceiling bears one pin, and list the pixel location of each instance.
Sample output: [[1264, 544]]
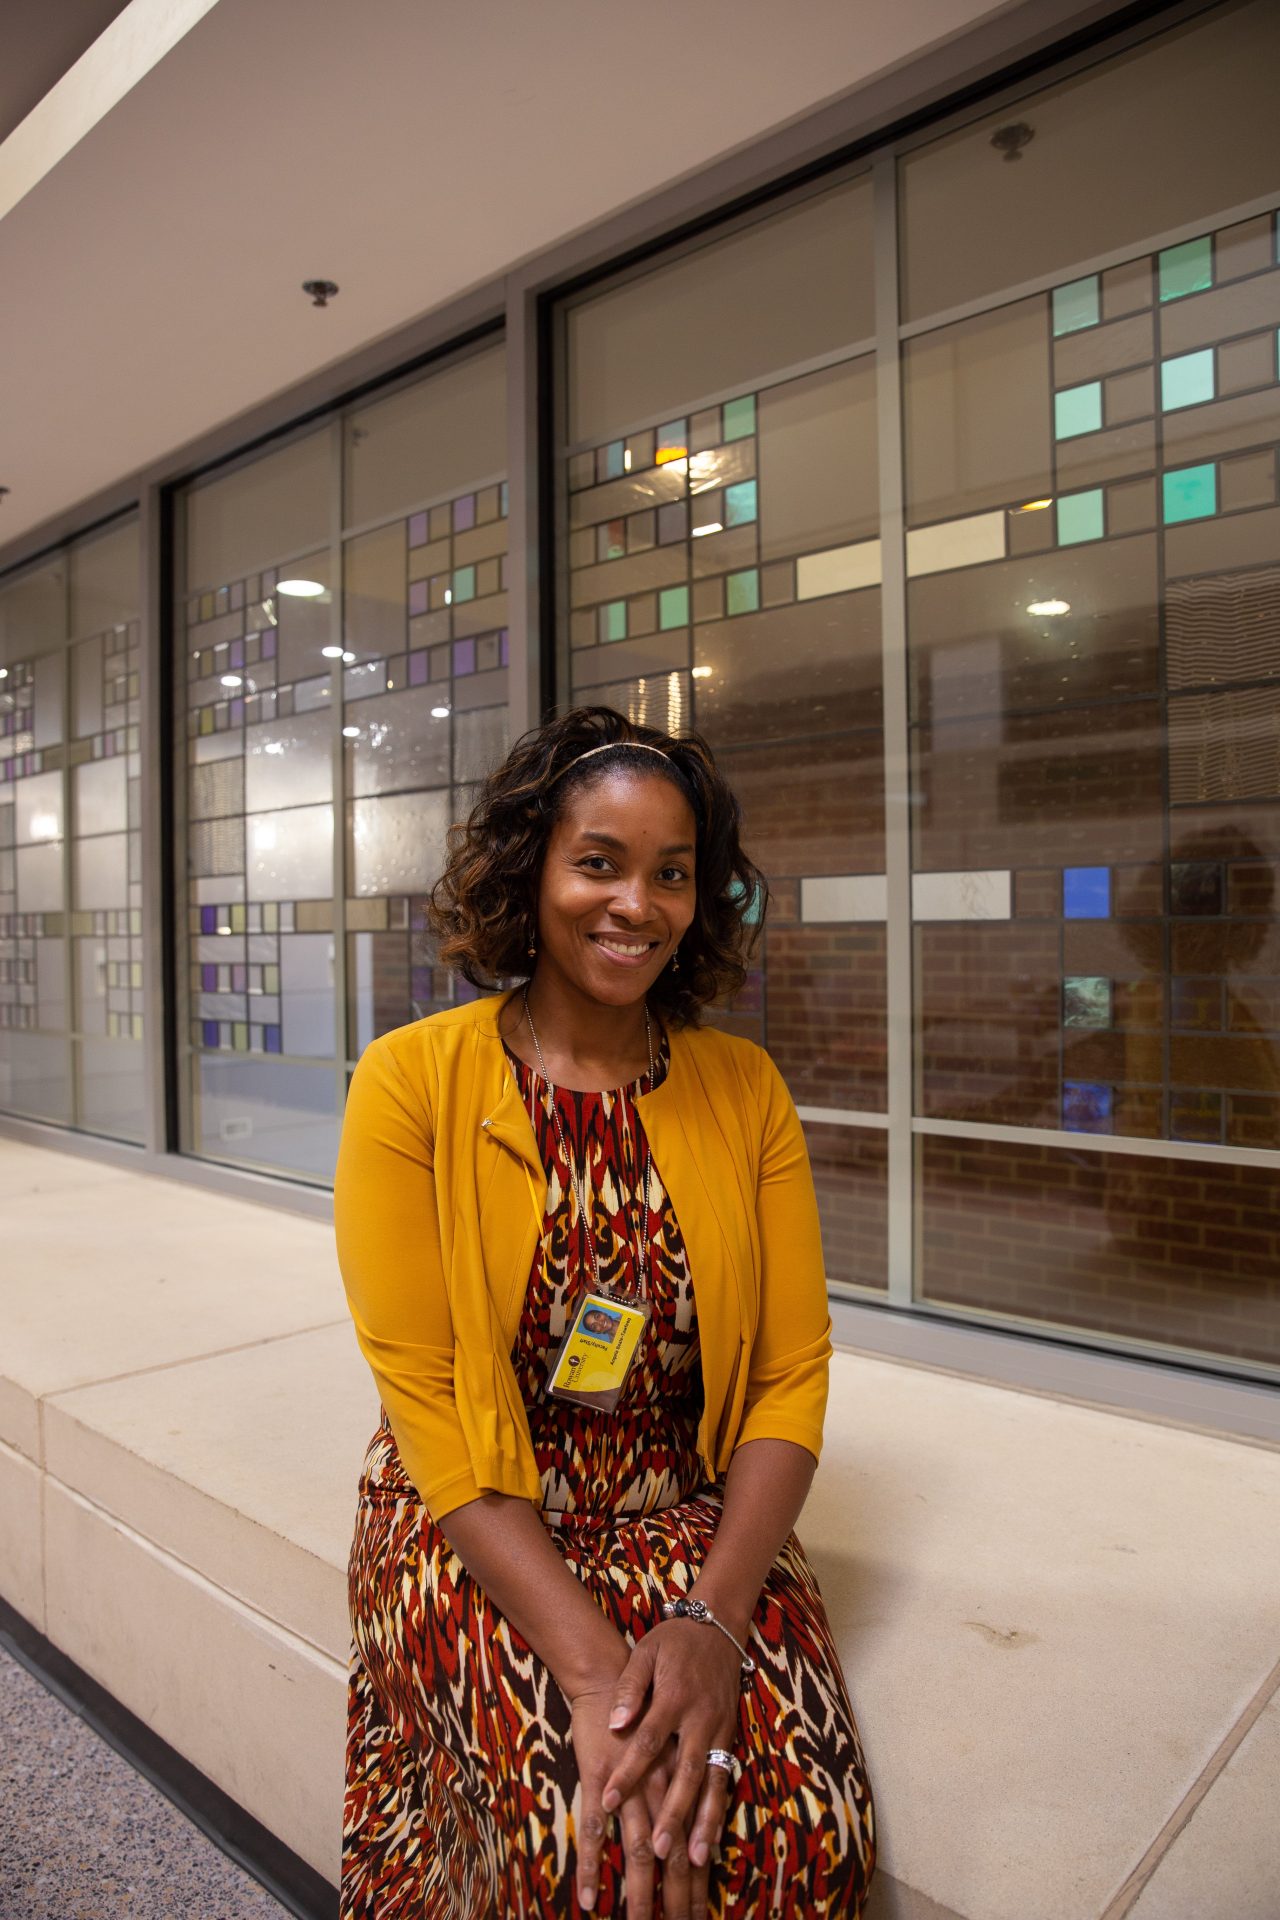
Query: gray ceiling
[[39, 40]]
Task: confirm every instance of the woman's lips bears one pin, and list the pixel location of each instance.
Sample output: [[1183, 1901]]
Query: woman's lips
[[638, 953]]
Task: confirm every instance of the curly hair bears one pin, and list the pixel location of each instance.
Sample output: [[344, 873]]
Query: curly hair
[[483, 908]]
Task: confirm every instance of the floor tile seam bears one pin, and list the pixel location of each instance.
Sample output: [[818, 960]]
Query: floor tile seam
[[1143, 1415], [183, 1360], [1136, 1881], [163, 1556]]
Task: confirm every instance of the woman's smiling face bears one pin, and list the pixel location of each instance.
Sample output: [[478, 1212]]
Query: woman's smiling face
[[618, 889]]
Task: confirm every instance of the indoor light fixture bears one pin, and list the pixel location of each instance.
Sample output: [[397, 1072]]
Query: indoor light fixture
[[626, 459], [1049, 609], [332, 653], [348, 656], [232, 680], [439, 713], [712, 526], [300, 589], [43, 826], [351, 733], [701, 673]]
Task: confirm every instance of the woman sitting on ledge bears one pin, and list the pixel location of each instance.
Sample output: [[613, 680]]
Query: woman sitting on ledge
[[581, 1247]]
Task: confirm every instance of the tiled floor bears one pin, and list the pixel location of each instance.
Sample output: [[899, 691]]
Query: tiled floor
[[84, 1837]]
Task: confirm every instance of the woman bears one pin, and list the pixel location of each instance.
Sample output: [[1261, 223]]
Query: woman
[[581, 1247]]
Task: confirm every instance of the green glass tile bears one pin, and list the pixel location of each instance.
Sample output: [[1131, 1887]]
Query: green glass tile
[[1086, 1001], [271, 979], [740, 504], [742, 591], [673, 607], [610, 464], [1186, 269], [237, 919], [1077, 410], [464, 583], [1080, 517], [241, 1036], [1075, 306], [270, 915], [1190, 493], [613, 621], [740, 417], [1186, 380]]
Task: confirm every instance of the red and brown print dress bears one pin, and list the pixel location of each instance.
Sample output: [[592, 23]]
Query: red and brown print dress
[[460, 1769]]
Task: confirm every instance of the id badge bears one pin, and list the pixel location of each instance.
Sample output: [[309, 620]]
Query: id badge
[[598, 1352]]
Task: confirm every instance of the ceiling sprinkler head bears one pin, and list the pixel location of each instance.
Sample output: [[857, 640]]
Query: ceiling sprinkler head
[[1010, 140], [321, 291]]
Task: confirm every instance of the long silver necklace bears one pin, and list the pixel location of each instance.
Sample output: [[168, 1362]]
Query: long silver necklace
[[576, 1174]]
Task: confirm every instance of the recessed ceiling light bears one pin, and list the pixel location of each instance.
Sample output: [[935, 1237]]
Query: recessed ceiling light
[[448, 596], [351, 733], [4, 673], [1049, 609], [712, 526], [301, 589], [348, 656], [332, 653], [701, 673], [439, 713], [232, 680]]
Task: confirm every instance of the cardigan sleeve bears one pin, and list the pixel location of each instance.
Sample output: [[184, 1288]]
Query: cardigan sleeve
[[786, 1394], [388, 1234]]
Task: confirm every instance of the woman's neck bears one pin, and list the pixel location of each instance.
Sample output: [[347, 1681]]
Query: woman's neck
[[585, 1046]]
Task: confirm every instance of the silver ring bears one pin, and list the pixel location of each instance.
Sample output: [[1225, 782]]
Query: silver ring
[[718, 1757]]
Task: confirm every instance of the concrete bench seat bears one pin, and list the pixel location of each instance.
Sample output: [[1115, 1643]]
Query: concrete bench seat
[[1059, 1624]]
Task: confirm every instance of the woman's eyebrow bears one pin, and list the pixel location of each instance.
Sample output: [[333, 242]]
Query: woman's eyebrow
[[620, 846]]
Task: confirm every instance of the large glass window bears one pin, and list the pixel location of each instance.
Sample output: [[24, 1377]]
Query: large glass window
[[346, 661], [720, 490], [71, 989]]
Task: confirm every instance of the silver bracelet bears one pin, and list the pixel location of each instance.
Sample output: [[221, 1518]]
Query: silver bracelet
[[699, 1610]]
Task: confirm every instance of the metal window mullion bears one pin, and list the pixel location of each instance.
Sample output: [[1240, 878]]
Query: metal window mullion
[[157, 899], [897, 744], [337, 715], [68, 991], [524, 638]]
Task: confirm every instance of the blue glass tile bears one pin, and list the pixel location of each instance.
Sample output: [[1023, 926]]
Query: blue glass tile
[[742, 591], [271, 1036], [673, 607], [1086, 893], [1186, 380], [1086, 1106], [740, 504], [1075, 306], [208, 979], [1190, 493], [1077, 410], [208, 919], [1080, 517], [740, 417], [210, 1033], [1186, 269]]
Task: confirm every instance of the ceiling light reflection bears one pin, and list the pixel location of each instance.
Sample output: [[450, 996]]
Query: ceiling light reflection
[[1049, 609], [301, 589]]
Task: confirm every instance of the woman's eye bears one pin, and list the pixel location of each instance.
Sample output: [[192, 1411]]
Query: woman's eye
[[596, 862], [674, 873]]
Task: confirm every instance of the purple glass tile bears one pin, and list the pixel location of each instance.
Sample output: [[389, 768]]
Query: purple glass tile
[[417, 669], [464, 656], [208, 919], [504, 648], [269, 644], [208, 979], [417, 529], [237, 595], [237, 713], [417, 596], [271, 1036], [237, 653], [239, 979], [109, 745], [464, 513], [210, 1033]]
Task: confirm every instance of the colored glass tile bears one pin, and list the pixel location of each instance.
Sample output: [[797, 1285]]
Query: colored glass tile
[[673, 442], [237, 918], [504, 648], [1086, 1000], [740, 504], [610, 461], [612, 620], [504, 500], [1080, 517], [271, 1035], [673, 607], [1075, 306], [417, 529], [418, 669], [611, 540], [1077, 410], [740, 417], [673, 523], [742, 591], [1086, 893], [1195, 1113], [1195, 886], [1086, 1106], [269, 644], [1186, 269], [208, 979], [464, 513], [1190, 493], [1186, 380], [464, 583], [417, 597], [208, 919], [210, 1033], [464, 657]]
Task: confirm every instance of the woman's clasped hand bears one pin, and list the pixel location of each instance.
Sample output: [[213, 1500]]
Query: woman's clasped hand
[[641, 1740]]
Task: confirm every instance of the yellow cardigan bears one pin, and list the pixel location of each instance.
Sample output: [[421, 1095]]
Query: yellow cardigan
[[438, 1206]]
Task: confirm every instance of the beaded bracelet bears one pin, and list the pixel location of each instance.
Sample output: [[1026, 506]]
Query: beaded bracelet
[[699, 1610]]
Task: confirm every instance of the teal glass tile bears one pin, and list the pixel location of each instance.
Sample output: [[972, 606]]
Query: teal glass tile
[[1186, 269], [1186, 380], [612, 461], [673, 607], [742, 591], [740, 504], [1077, 410], [613, 621], [1086, 1000], [740, 417], [1190, 493], [464, 583], [1076, 306], [1080, 517]]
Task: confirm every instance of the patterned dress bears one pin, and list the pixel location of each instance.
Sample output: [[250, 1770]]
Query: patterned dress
[[460, 1769]]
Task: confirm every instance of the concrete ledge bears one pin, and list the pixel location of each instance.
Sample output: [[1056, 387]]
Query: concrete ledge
[[1058, 1623]]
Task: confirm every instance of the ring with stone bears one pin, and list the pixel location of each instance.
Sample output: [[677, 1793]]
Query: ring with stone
[[718, 1757]]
